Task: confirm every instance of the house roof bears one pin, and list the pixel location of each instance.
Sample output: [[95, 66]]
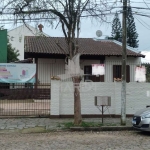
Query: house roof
[[29, 60], [31, 28], [87, 46]]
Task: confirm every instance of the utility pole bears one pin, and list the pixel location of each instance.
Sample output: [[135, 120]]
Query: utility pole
[[124, 57]]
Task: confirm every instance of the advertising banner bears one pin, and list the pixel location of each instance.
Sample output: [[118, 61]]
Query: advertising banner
[[17, 73]]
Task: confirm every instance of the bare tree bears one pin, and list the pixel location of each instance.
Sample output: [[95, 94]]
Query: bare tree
[[68, 14]]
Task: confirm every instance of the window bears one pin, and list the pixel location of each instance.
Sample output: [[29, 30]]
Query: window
[[87, 72], [117, 72], [89, 76]]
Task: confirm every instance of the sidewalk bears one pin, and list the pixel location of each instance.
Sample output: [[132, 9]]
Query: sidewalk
[[28, 125]]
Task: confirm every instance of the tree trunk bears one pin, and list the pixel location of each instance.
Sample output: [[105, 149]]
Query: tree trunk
[[77, 102]]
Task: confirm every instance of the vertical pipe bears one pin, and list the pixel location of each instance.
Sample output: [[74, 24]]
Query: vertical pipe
[[102, 113], [36, 76]]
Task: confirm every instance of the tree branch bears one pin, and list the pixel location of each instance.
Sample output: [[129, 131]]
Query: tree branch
[[61, 48], [60, 15], [64, 31]]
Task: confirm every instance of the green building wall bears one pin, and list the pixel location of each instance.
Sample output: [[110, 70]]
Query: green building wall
[[3, 46]]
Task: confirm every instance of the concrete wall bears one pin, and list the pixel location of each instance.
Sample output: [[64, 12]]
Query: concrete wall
[[62, 101]]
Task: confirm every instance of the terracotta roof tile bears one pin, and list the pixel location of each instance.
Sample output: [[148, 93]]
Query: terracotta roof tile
[[87, 46]]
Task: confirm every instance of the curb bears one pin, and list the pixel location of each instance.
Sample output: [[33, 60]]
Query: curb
[[24, 130], [32, 130], [104, 128], [44, 129]]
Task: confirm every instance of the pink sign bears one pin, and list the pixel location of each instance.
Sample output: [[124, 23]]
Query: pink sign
[[140, 74]]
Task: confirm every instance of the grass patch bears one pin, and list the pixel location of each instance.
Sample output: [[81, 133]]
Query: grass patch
[[87, 124], [83, 124], [111, 124], [68, 125], [91, 124], [59, 125]]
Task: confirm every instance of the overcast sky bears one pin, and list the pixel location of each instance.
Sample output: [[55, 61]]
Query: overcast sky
[[89, 28]]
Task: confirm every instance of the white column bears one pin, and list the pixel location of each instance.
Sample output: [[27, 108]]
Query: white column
[[55, 97]]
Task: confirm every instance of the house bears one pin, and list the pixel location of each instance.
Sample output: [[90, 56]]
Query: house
[[51, 60], [16, 37]]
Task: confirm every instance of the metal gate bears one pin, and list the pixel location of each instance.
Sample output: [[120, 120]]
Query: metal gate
[[24, 100]]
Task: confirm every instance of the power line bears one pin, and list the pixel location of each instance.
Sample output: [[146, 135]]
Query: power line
[[83, 16], [47, 10], [138, 2], [139, 14], [145, 22], [142, 23], [3, 23], [41, 11], [141, 8], [146, 4]]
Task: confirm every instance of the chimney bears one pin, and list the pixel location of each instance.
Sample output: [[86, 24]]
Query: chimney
[[40, 26]]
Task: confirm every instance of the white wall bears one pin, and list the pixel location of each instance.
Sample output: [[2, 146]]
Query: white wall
[[88, 63], [114, 60], [62, 100], [17, 35], [54, 67], [50, 67]]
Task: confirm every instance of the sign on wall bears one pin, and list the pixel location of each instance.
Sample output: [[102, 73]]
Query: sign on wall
[[17, 73], [98, 69], [140, 74]]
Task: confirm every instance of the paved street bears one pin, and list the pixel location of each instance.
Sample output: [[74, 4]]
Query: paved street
[[28, 139], [114, 140]]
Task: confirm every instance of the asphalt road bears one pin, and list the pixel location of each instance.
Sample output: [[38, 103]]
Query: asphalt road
[[114, 140]]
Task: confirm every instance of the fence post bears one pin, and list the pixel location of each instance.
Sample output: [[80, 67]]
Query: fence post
[[55, 98]]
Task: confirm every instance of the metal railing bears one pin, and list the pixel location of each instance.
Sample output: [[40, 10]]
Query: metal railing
[[24, 99]]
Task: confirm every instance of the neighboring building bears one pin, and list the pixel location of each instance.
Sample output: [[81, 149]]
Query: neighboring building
[[16, 37], [3, 46], [51, 60], [147, 56]]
